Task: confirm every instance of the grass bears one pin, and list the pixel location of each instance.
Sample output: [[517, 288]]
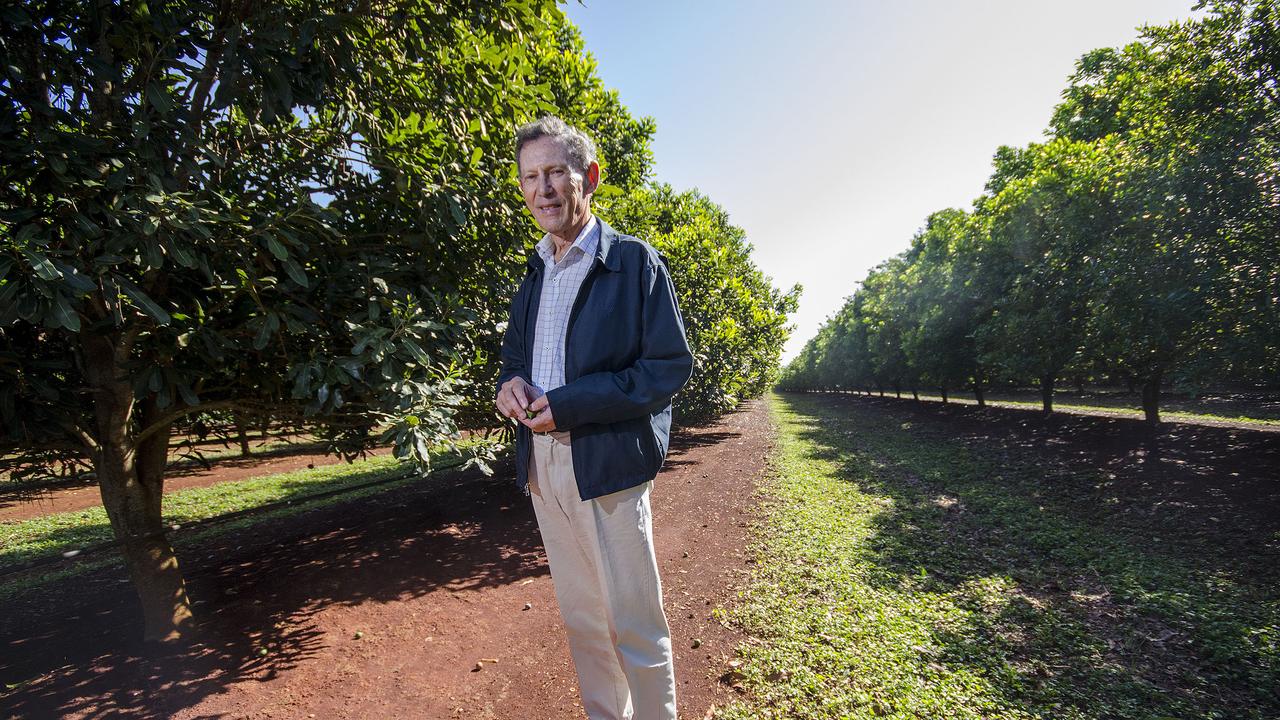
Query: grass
[[179, 456], [52, 535], [1122, 407], [903, 575]]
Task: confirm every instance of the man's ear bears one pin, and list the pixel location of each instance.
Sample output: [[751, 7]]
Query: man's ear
[[593, 178]]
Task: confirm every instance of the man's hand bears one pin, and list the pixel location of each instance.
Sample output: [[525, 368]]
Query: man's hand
[[514, 398], [542, 421]]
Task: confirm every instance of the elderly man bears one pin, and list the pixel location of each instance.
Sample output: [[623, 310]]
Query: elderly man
[[594, 350]]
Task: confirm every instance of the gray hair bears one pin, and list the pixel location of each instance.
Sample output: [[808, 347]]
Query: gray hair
[[582, 151]]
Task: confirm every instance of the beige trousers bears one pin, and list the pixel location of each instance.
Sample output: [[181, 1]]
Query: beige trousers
[[606, 579]]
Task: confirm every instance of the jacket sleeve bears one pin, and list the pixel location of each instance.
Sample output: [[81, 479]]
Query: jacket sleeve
[[663, 367], [514, 362]]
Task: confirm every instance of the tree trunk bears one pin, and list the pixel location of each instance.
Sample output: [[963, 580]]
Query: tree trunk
[[1046, 393], [131, 479], [915, 393], [1151, 398], [979, 395], [242, 434], [944, 396], [881, 389]]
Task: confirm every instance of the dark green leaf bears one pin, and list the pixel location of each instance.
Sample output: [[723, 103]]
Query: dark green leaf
[[142, 302], [188, 396], [159, 98], [41, 265], [277, 248], [263, 337], [295, 272], [418, 353], [64, 315], [74, 279]]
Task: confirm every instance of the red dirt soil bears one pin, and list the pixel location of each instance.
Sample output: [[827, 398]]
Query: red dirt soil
[[385, 607]]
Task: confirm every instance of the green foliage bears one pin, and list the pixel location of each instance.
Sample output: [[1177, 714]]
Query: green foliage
[[736, 321], [1137, 242], [250, 207], [300, 213]]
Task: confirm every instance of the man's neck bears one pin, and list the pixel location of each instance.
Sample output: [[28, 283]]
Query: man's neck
[[561, 244]]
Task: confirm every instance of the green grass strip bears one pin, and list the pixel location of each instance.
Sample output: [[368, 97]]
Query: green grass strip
[[53, 534], [61, 531], [902, 575], [1120, 409]]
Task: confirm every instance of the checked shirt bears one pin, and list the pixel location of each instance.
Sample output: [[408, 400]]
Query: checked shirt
[[560, 285]]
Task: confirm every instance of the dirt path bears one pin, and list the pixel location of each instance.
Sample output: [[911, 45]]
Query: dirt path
[[382, 608]]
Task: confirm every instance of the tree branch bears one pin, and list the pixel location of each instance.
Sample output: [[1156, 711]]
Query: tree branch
[[169, 418], [87, 443]]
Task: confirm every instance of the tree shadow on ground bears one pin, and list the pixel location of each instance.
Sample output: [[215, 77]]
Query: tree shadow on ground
[[73, 649], [1216, 489], [682, 442], [1128, 558]]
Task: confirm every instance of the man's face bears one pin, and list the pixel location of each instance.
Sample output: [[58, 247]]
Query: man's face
[[556, 194]]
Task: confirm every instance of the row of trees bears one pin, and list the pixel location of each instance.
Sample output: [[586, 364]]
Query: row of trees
[[736, 320], [1140, 241], [300, 213]]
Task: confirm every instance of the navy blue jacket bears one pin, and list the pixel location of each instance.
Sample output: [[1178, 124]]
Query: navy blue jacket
[[625, 357]]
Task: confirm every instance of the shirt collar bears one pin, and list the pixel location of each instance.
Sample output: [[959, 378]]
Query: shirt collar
[[587, 241]]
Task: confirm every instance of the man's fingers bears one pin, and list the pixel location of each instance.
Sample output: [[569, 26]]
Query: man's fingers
[[527, 395], [508, 403], [539, 403], [511, 411], [520, 393], [513, 398], [542, 421]]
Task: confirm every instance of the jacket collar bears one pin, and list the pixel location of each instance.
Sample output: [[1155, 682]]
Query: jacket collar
[[604, 250], [612, 261]]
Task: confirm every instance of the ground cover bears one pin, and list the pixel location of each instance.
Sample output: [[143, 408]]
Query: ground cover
[[1206, 410], [183, 452], [67, 534], [958, 563]]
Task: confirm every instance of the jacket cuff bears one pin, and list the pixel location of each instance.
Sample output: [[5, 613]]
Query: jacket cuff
[[564, 410]]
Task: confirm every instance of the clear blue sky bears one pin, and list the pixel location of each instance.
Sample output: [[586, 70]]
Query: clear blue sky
[[830, 129]]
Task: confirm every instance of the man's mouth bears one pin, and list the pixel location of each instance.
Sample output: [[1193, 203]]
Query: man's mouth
[[549, 209]]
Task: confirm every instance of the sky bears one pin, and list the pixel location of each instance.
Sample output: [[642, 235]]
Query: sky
[[831, 129]]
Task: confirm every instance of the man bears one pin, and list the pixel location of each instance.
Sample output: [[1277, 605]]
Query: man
[[593, 352]]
